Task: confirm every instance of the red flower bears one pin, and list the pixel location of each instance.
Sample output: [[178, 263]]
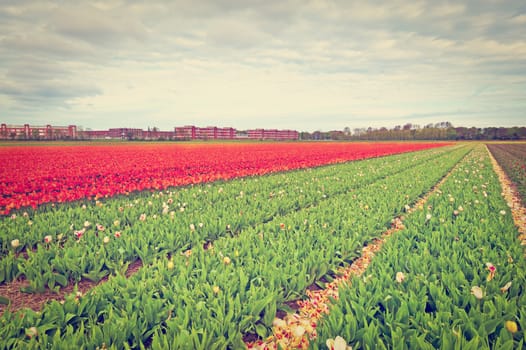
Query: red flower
[[60, 174]]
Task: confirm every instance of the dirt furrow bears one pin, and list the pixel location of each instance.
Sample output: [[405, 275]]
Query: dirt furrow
[[512, 197]]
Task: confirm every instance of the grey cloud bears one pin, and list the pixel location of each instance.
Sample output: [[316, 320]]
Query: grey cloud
[[32, 69], [47, 90], [97, 27]]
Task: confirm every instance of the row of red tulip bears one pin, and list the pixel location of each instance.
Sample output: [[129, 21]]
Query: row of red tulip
[[34, 175]]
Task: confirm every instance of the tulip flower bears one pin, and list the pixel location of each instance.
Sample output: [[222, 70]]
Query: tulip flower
[[32, 332], [492, 269], [400, 277], [298, 331], [477, 292], [48, 239], [511, 326], [117, 234], [278, 322], [79, 233], [106, 239], [15, 243], [506, 287], [338, 343]]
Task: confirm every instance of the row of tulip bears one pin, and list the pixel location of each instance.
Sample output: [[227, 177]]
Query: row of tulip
[[453, 279], [49, 174], [209, 296], [71, 241], [512, 157]]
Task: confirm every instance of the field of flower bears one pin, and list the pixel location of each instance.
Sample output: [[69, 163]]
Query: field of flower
[[48, 174], [453, 279], [512, 157], [222, 260]]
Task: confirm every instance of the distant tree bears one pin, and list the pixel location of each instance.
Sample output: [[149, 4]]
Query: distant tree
[[432, 131], [502, 133], [305, 135]]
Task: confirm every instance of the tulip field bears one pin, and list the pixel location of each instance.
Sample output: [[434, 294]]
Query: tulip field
[[513, 159], [463, 272], [231, 238], [50, 174]]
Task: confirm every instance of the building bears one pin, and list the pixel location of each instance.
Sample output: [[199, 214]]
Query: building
[[272, 134], [187, 132], [48, 132]]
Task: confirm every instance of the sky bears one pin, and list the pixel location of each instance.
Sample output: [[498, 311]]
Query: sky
[[303, 65]]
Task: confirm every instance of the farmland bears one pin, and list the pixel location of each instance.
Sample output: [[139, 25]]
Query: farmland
[[50, 174], [453, 278], [222, 260], [512, 157]]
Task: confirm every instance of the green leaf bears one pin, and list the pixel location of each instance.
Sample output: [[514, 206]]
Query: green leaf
[[261, 330], [61, 279], [245, 323], [491, 325], [2, 274], [270, 314]]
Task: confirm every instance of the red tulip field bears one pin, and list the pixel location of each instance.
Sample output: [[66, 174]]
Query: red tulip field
[[36, 175], [320, 245]]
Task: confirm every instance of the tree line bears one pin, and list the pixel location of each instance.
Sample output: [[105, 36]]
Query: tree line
[[438, 131]]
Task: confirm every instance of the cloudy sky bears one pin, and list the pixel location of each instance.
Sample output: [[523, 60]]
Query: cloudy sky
[[306, 65]]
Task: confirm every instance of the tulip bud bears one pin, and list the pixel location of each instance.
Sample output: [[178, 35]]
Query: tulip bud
[[511, 326], [32, 332], [400, 277]]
